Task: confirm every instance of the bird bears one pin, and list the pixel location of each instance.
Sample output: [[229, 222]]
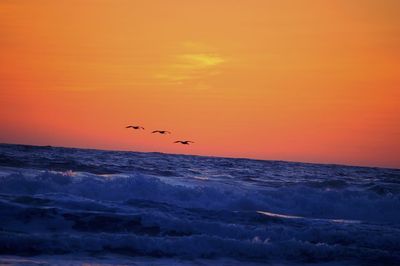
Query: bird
[[184, 142], [161, 132], [135, 127]]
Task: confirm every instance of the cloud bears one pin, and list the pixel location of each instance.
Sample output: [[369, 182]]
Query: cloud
[[200, 61], [191, 66]]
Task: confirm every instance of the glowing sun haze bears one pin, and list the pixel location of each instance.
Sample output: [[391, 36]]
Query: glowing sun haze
[[314, 81]]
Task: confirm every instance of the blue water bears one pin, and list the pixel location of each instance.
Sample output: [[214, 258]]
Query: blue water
[[62, 205]]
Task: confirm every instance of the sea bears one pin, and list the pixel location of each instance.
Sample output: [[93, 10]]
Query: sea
[[70, 206]]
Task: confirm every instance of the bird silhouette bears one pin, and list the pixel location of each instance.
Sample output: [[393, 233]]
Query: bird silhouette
[[184, 142], [135, 127], [161, 132]]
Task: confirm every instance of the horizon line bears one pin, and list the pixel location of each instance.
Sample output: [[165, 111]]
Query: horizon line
[[211, 156]]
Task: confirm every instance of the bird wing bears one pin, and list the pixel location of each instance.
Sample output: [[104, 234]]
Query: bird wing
[[155, 131]]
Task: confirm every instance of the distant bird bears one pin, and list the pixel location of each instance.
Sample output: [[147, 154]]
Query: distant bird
[[161, 132], [184, 142], [135, 127]]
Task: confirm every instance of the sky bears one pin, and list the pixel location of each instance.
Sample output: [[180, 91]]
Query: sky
[[310, 81]]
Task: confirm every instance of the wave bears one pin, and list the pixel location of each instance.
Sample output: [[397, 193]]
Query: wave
[[64, 212], [301, 200]]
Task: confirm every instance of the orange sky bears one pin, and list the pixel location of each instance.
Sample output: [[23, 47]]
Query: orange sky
[[314, 81]]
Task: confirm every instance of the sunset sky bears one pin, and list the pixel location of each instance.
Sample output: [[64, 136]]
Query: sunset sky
[[311, 81]]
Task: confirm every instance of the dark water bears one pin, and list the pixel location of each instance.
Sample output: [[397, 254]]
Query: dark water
[[61, 204]]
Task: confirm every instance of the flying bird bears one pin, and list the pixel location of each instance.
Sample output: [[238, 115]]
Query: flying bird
[[135, 127], [161, 132], [184, 142]]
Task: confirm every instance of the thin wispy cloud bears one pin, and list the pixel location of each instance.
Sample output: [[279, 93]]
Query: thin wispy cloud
[[191, 65]]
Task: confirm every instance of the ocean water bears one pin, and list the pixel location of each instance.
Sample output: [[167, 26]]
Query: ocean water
[[75, 206]]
